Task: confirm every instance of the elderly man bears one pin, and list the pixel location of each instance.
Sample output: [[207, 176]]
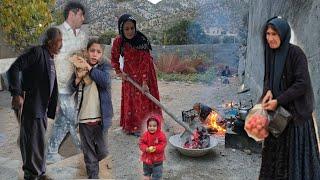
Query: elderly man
[[74, 39], [37, 95]]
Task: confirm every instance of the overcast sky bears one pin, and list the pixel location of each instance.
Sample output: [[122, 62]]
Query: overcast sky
[[154, 1]]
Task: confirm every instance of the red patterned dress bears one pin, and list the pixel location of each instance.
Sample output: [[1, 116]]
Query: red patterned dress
[[135, 106]]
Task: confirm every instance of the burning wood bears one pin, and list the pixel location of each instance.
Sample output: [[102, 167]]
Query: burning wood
[[203, 116], [199, 140], [215, 123]]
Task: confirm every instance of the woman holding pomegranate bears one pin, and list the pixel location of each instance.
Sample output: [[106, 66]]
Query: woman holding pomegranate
[[294, 154]]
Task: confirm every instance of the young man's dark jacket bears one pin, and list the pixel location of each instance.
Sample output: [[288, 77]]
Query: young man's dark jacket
[[35, 68], [100, 75]]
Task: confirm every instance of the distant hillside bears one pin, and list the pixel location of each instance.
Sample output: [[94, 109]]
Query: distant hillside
[[217, 17]]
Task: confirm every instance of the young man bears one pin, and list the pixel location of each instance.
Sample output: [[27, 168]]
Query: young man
[[37, 95], [74, 39]]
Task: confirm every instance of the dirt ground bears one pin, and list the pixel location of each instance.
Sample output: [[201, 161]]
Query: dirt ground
[[221, 163]]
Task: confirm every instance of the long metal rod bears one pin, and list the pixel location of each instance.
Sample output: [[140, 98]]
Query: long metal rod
[[153, 99]]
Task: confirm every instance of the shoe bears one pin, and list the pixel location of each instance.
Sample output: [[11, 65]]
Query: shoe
[[93, 176], [137, 134], [45, 177]]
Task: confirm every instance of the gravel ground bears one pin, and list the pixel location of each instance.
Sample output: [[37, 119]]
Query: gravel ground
[[221, 163]]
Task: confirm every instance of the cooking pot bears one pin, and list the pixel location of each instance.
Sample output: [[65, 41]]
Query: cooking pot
[[243, 112]]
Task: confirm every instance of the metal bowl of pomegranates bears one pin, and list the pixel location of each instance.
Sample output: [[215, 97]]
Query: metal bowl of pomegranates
[[177, 142]]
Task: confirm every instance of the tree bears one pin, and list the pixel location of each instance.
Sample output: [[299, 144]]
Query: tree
[[23, 21], [107, 35], [57, 16], [177, 34], [184, 32], [196, 34]]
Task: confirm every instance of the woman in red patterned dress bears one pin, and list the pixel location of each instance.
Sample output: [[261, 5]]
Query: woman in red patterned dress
[[134, 48]]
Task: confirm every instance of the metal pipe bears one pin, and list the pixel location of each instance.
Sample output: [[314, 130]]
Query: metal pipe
[[153, 99]]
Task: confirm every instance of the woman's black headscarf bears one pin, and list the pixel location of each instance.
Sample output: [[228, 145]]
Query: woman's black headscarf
[[139, 41], [275, 59]]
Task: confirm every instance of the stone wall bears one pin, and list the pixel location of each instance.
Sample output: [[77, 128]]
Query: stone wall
[[4, 66], [217, 53], [304, 19], [5, 50]]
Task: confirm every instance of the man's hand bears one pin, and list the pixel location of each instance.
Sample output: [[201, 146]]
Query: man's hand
[[17, 102], [88, 66], [270, 105], [267, 97]]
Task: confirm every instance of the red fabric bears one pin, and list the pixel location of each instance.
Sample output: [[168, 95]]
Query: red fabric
[[139, 66], [157, 139]]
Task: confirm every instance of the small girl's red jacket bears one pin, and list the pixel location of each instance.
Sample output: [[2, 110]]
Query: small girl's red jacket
[[157, 139]]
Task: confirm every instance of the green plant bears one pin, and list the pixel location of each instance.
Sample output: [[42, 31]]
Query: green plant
[[195, 54], [184, 32], [57, 16], [176, 34], [23, 21], [107, 36], [206, 77]]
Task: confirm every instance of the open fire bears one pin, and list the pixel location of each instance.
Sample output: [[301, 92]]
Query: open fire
[[205, 121], [215, 124]]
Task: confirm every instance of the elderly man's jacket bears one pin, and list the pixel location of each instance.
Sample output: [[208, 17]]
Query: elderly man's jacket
[[35, 68]]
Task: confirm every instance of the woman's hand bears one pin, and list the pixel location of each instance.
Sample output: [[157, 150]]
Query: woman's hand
[[122, 75], [145, 87], [270, 105], [267, 97]]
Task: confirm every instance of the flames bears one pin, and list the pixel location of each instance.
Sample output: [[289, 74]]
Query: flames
[[228, 105], [213, 120]]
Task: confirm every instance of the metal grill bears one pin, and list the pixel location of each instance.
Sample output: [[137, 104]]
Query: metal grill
[[189, 115]]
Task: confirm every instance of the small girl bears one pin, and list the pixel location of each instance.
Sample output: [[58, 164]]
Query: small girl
[[152, 144], [95, 109]]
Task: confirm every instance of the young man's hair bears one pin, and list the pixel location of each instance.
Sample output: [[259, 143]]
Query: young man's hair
[[94, 41], [50, 35], [74, 7]]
